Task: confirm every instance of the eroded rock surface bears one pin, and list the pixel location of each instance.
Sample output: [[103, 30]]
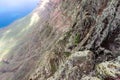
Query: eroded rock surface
[[64, 40]]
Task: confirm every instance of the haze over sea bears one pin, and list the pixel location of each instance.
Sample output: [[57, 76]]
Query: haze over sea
[[11, 10]]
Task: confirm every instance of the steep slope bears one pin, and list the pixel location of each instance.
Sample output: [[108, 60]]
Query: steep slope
[[63, 40]]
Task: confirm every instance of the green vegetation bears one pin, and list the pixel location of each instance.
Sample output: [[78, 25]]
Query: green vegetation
[[77, 39], [67, 54], [53, 67]]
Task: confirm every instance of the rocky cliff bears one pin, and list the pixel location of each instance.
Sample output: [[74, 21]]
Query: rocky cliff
[[63, 40]]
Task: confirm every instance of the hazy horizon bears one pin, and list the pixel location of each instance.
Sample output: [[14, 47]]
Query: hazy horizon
[[11, 10]]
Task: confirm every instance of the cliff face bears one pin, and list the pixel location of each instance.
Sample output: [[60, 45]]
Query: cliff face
[[63, 40]]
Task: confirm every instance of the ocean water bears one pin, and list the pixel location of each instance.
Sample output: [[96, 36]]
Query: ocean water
[[12, 10]]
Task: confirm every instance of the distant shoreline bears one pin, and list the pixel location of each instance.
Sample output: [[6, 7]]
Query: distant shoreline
[[9, 16]]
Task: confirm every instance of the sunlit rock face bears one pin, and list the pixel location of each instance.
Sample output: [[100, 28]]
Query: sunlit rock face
[[63, 40], [110, 68]]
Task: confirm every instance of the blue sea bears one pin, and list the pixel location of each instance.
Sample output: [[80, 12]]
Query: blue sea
[[11, 10]]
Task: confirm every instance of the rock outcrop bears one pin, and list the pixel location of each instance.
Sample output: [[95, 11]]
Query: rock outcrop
[[64, 40]]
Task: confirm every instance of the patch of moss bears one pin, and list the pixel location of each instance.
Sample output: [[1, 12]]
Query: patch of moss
[[67, 54], [53, 67], [77, 39]]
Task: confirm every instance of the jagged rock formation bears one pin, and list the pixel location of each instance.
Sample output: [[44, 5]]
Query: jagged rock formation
[[64, 40]]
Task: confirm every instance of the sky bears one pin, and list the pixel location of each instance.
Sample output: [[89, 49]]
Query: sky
[[11, 10]]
